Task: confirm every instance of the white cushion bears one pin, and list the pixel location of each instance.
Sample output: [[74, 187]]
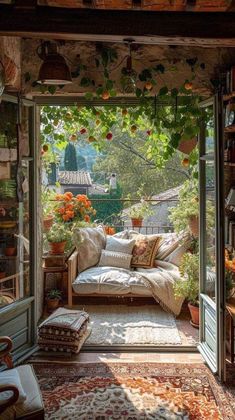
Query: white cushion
[[89, 243], [120, 245], [11, 377], [109, 281], [115, 259]]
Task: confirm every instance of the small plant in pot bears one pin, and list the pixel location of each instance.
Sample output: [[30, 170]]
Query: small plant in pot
[[53, 299], [139, 211], [58, 237], [188, 285], [185, 215], [47, 208]]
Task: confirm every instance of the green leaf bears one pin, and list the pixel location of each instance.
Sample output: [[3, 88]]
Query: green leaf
[[159, 68], [113, 92], [163, 91], [52, 89], [109, 84], [138, 92], [99, 91], [145, 75], [85, 82], [174, 93], [89, 96]]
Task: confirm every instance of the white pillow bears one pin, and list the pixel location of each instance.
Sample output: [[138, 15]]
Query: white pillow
[[11, 377], [115, 259], [119, 245], [89, 243]]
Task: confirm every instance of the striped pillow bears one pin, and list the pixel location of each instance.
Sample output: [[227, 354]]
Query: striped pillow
[[115, 259]]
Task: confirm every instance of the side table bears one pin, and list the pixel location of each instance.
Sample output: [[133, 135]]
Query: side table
[[55, 274]]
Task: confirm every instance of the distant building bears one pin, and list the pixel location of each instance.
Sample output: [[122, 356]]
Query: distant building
[[77, 182], [160, 207]]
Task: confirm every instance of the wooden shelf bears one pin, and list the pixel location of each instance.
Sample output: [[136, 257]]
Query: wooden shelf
[[230, 129], [229, 163]]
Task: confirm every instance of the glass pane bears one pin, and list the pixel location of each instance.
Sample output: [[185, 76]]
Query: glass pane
[[210, 210], [14, 207]]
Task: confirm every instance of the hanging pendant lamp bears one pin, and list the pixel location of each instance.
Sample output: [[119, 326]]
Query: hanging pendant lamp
[[54, 69]]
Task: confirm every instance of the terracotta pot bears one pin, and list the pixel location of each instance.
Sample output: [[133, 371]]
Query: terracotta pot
[[187, 146], [57, 247], [10, 251], [2, 274], [47, 222], [136, 222], [193, 224], [194, 312], [53, 304]]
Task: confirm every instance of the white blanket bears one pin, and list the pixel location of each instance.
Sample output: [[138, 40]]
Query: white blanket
[[161, 281]]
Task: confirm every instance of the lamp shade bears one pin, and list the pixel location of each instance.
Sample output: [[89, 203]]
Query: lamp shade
[[54, 70]]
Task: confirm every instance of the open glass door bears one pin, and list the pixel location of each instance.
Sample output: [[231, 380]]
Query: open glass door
[[212, 237], [18, 233]]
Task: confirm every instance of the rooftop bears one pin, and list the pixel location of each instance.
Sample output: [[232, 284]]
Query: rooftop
[[82, 178]]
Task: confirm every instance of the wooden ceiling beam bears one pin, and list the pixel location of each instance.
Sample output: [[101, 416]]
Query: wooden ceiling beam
[[205, 29]]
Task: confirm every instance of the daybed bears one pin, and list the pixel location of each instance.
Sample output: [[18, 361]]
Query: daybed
[[141, 282]]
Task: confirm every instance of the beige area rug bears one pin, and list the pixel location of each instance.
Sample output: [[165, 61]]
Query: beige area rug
[[131, 325]]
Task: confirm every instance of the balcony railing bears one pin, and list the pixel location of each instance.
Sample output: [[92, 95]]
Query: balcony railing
[[158, 222]]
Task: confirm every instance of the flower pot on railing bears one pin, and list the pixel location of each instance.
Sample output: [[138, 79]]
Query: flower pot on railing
[[193, 223], [136, 222], [57, 247], [47, 222]]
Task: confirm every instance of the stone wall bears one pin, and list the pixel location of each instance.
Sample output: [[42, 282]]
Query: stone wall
[[144, 56], [10, 57]]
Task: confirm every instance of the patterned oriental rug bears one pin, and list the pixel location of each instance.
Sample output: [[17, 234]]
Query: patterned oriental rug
[[131, 391]]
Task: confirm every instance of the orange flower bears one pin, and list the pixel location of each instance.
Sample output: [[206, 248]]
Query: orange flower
[[87, 218], [69, 206], [68, 194], [70, 214], [65, 217], [59, 197], [61, 210]]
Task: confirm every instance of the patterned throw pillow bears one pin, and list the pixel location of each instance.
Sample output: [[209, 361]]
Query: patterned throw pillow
[[145, 250], [115, 259]]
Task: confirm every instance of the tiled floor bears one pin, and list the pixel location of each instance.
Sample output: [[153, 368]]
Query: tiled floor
[[92, 357]]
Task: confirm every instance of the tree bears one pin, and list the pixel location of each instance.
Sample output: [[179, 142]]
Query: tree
[[70, 158], [81, 162], [126, 157]]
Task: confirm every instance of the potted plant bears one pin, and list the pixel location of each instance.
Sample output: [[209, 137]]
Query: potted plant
[[47, 208], [10, 249], [58, 236], [53, 299], [138, 211], [185, 215], [188, 285]]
